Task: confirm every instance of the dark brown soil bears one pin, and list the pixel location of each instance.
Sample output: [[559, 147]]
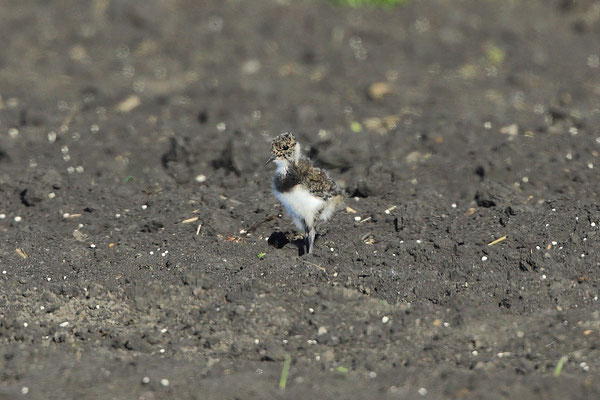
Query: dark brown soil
[[136, 207]]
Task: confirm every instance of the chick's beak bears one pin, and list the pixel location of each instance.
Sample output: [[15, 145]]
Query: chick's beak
[[271, 158]]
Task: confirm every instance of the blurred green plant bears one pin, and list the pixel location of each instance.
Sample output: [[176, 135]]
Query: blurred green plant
[[361, 3]]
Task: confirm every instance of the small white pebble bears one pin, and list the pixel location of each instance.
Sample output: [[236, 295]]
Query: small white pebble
[[543, 277], [322, 331], [3, 272], [484, 258], [372, 374], [200, 178], [311, 310], [419, 241], [42, 308], [593, 224], [487, 125], [422, 391], [582, 255], [25, 324], [144, 207], [357, 218], [48, 279], [221, 126], [569, 156], [256, 341], [2, 216], [554, 243], [474, 353], [385, 319], [93, 246], [525, 179], [332, 249], [18, 219], [145, 380], [13, 132], [454, 205], [52, 136], [163, 330], [161, 351], [117, 215], [537, 247], [70, 170], [164, 382], [79, 169], [446, 325], [590, 165], [51, 195], [64, 324], [24, 390], [554, 209]]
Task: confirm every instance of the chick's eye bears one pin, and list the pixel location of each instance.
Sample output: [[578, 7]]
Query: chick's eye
[[285, 147]]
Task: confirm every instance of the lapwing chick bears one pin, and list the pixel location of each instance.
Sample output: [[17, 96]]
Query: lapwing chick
[[308, 193]]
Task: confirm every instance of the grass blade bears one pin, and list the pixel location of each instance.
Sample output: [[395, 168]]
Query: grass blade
[[285, 371]]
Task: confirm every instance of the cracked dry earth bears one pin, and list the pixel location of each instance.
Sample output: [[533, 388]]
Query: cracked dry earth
[[143, 255]]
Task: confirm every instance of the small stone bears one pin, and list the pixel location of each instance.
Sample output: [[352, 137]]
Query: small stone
[[322, 331], [510, 130], [422, 391], [24, 390], [164, 382], [385, 319], [378, 90], [145, 380]]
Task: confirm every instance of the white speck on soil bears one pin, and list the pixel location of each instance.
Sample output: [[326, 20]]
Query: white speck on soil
[[311, 310], [2, 216], [474, 353], [484, 258], [162, 351], [145, 380], [322, 331], [18, 219], [144, 207], [79, 169], [422, 391], [64, 324], [357, 218], [13, 132], [24, 390], [25, 324], [385, 319], [446, 325], [543, 277], [164, 382]]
